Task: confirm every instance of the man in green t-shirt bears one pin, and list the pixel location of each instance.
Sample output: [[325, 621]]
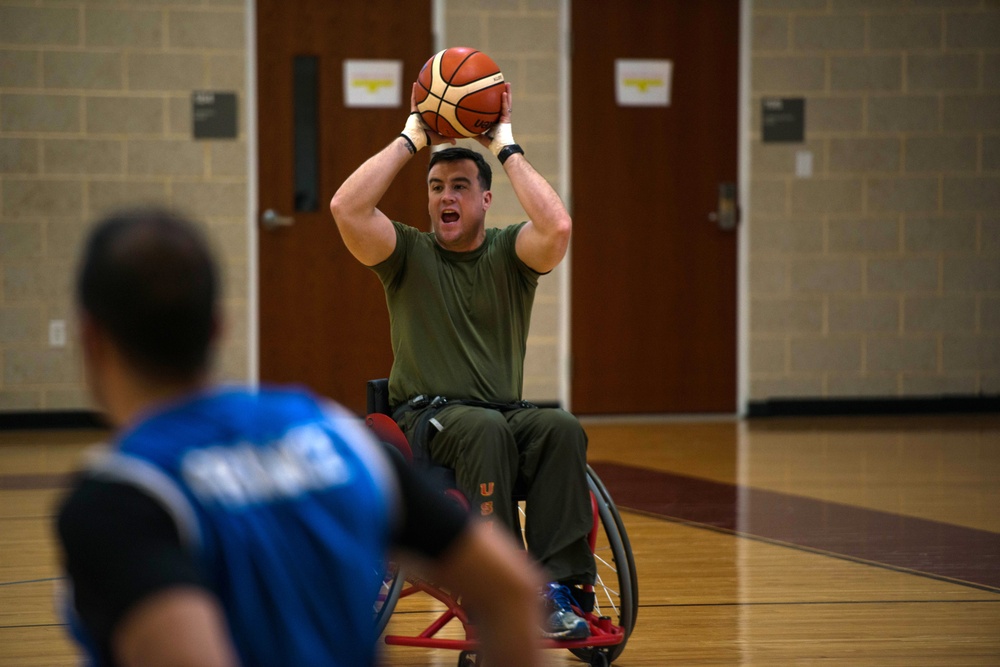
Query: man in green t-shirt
[[459, 300]]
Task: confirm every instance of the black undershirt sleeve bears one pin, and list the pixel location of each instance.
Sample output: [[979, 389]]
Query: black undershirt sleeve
[[120, 546], [431, 521]]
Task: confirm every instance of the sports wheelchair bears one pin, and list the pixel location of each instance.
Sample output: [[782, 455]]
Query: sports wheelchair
[[616, 589]]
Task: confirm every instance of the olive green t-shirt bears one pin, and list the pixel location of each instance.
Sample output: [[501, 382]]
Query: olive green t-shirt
[[458, 320]]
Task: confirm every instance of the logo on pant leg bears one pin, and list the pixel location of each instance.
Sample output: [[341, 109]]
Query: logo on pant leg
[[486, 508], [486, 489]]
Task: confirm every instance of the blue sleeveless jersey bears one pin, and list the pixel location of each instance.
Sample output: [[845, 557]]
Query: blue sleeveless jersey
[[287, 505]]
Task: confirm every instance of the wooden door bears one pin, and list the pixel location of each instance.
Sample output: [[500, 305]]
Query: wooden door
[[323, 320], [653, 278]]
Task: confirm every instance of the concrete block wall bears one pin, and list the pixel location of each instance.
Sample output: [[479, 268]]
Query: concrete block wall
[[879, 275], [95, 113], [523, 37]]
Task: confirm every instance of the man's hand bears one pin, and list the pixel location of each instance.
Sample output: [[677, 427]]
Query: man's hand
[[500, 136], [416, 132]]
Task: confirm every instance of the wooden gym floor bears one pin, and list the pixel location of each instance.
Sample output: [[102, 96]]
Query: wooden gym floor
[[842, 541]]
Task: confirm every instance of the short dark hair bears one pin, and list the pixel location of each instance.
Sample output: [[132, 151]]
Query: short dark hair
[[456, 153], [148, 279]]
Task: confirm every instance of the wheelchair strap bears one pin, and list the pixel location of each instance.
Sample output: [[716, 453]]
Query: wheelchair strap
[[422, 432]]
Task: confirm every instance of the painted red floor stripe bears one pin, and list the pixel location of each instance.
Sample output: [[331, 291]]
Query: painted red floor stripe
[[930, 547]]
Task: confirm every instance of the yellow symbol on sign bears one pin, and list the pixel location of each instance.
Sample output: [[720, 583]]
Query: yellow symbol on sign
[[643, 84], [372, 84]]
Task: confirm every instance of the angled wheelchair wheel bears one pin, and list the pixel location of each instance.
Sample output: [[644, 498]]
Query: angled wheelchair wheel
[[388, 596], [616, 589]]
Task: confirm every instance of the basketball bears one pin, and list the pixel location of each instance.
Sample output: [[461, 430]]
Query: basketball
[[459, 92]]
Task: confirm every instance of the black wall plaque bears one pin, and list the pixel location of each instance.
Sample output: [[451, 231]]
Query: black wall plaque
[[213, 115], [783, 119]]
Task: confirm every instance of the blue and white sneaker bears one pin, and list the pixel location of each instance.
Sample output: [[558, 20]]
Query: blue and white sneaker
[[562, 622]]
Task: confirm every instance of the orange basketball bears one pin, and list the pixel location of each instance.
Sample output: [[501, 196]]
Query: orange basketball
[[458, 92]]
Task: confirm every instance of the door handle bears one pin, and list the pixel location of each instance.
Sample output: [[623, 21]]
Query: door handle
[[271, 220], [727, 213]]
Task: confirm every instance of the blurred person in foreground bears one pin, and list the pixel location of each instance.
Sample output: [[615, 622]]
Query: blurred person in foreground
[[236, 526]]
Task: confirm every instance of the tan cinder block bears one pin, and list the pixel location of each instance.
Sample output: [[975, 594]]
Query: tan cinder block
[[231, 363], [20, 400], [198, 29], [39, 25], [812, 196], [228, 238], [905, 31], [768, 355], [781, 74], [64, 238], [105, 196], [42, 197], [927, 314], [20, 69], [814, 33], [863, 314], [973, 29], [211, 199], [538, 76], [67, 399], [991, 153], [798, 315], [20, 240], [864, 154], [971, 353], [971, 113], [228, 72], [39, 113], [834, 114], [943, 153], [903, 113], [769, 197], [863, 235], [786, 235], [870, 73], [82, 156], [768, 5], [989, 235], [529, 34], [235, 278], [825, 355], [770, 33], [991, 71], [176, 158], [902, 194], [76, 69], [901, 354], [971, 274], [179, 116], [114, 26], [937, 72], [228, 158], [34, 281], [989, 313], [909, 275], [940, 385], [763, 387], [18, 156], [972, 193], [837, 6], [125, 115], [540, 114], [940, 233], [165, 71], [989, 383], [859, 384], [768, 277], [825, 275]]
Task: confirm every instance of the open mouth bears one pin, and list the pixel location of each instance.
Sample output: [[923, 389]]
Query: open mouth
[[449, 215]]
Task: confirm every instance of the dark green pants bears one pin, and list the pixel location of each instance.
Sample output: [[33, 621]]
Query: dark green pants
[[541, 450]]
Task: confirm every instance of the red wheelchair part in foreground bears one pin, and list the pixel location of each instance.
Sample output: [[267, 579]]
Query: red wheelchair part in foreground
[[616, 588]]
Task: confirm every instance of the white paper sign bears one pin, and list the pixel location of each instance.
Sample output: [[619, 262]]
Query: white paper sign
[[643, 83], [373, 83]]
